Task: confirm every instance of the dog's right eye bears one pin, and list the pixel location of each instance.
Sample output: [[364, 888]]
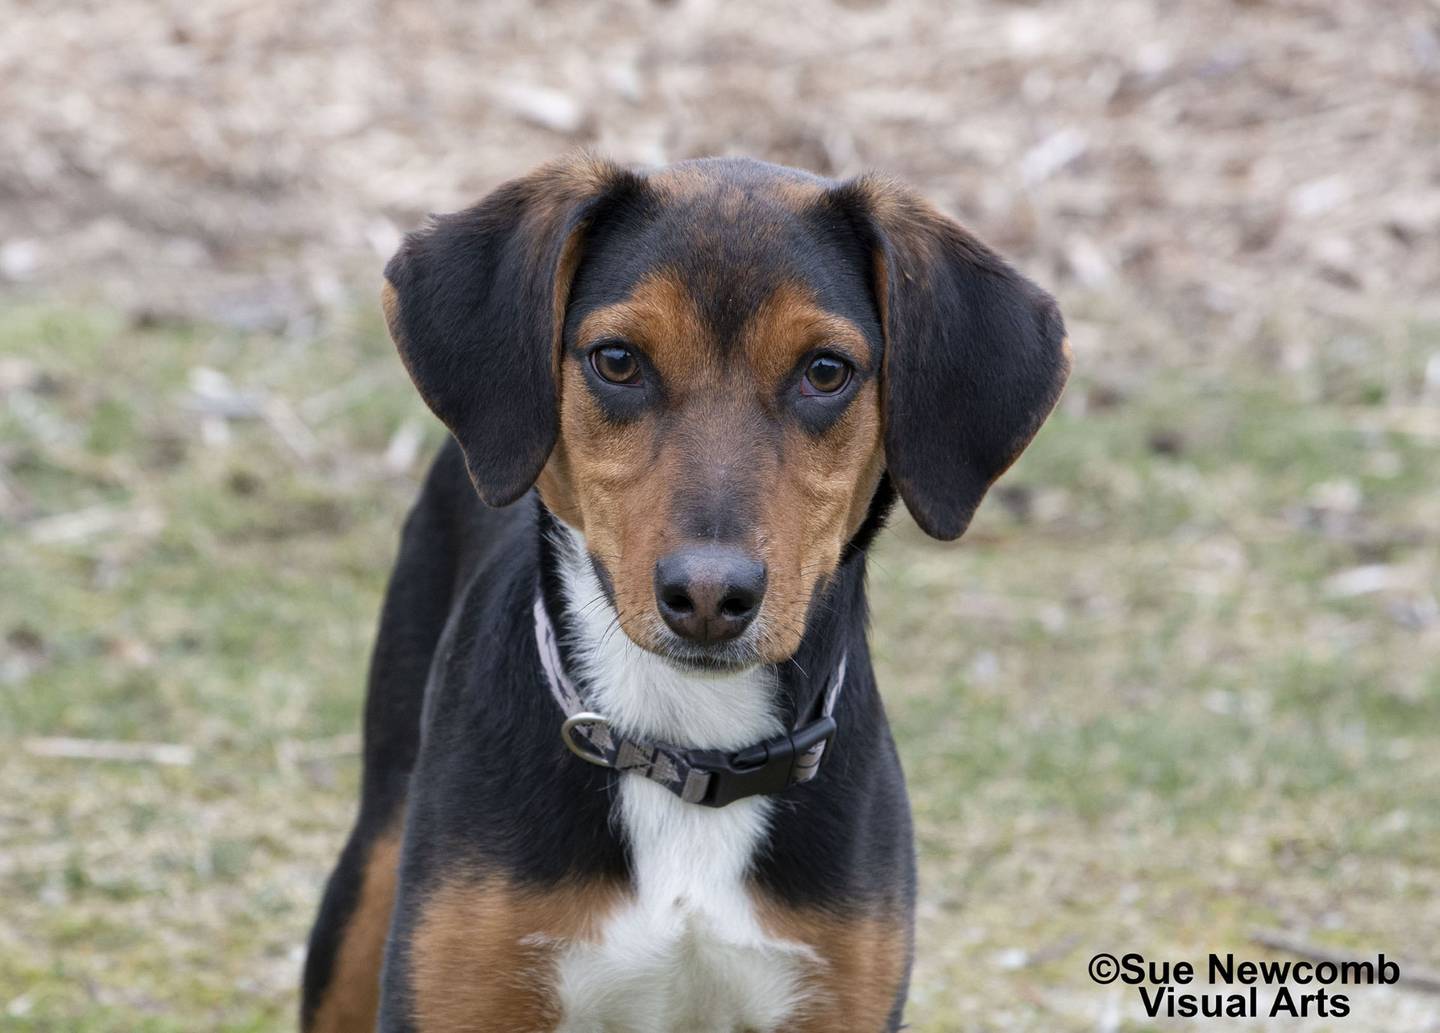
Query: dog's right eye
[[616, 364]]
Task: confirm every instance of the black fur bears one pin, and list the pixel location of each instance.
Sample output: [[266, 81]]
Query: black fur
[[974, 355]]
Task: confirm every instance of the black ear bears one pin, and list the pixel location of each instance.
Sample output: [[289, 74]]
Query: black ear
[[975, 354], [475, 303]]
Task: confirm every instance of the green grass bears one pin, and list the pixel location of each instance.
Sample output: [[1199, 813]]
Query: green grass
[[1136, 709]]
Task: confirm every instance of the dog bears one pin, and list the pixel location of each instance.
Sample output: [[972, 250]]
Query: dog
[[626, 766]]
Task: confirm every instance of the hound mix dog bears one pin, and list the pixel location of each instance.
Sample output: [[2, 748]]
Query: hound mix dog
[[626, 764]]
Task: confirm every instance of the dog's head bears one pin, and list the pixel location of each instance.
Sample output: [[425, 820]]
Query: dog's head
[[708, 369]]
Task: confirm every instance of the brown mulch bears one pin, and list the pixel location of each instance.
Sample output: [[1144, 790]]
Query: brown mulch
[[1208, 164]]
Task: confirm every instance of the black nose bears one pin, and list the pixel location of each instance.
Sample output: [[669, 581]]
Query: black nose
[[709, 593]]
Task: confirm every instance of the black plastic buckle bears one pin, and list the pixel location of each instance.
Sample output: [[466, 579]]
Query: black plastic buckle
[[766, 768]]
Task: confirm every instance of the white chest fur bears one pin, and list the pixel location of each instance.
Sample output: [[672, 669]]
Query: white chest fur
[[687, 951]]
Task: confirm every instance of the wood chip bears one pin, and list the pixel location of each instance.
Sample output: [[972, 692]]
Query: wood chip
[[170, 754]]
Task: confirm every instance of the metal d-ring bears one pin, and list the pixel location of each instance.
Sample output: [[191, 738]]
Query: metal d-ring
[[588, 719]]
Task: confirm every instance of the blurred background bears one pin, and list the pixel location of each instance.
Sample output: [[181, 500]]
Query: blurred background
[[1177, 691]]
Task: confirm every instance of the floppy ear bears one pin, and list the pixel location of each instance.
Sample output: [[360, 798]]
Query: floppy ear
[[975, 355], [475, 303]]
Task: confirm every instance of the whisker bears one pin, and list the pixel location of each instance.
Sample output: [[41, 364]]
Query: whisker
[[615, 625], [599, 598]]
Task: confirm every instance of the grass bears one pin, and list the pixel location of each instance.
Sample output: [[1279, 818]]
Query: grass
[[1146, 705]]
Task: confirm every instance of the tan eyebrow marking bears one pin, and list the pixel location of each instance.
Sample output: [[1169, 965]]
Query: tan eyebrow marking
[[789, 324]]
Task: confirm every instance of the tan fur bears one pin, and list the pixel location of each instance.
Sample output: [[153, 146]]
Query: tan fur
[[352, 998], [861, 964], [612, 482], [617, 483], [688, 181], [390, 305], [483, 951], [818, 495], [555, 188]]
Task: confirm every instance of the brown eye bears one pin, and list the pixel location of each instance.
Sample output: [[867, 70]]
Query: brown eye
[[825, 375], [616, 364]]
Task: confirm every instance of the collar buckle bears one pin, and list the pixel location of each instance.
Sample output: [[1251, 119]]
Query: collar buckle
[[710, 778], [767, 767], [591, 726]]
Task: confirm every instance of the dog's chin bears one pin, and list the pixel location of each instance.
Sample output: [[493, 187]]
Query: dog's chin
[[715, 667], [721, 661]]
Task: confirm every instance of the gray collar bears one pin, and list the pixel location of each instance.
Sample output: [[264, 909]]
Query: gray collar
[[711, 778]]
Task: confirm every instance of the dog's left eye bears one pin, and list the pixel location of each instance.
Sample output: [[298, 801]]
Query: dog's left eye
[[616, 364], [826, 375]]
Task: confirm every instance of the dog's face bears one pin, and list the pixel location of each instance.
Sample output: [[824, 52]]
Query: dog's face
[[709, 369], [719, 414]]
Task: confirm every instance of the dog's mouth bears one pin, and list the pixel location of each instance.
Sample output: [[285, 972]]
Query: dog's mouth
[[724, 658], [709, 665]]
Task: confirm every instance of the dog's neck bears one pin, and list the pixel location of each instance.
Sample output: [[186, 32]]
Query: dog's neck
[[649, 697]]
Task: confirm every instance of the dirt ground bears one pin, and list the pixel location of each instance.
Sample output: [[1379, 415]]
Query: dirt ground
[[1212, 163], [1177, 692]]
